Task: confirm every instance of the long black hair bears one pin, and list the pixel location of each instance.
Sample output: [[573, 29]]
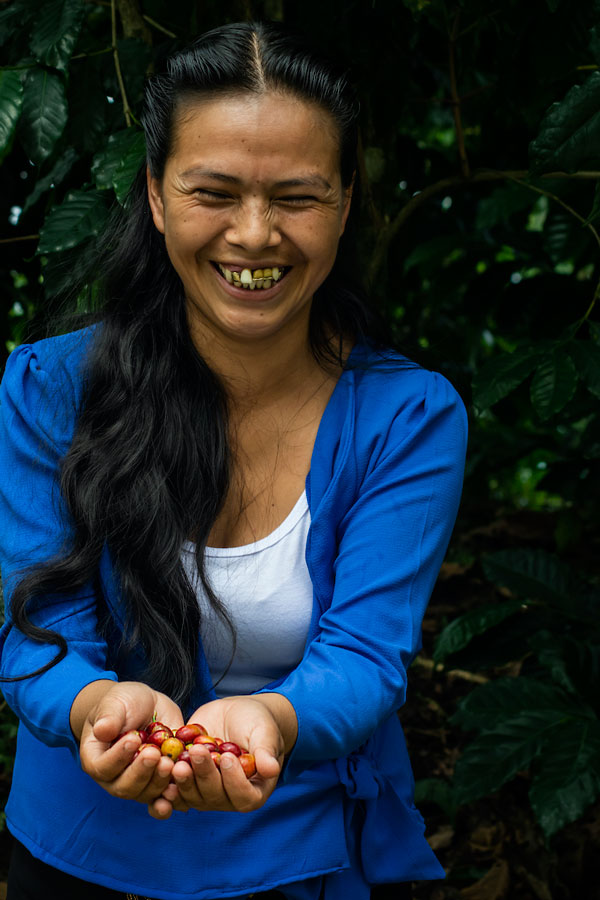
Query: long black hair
[[149, 464]]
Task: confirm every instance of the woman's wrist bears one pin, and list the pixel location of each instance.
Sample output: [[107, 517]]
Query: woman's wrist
[[284, 714], [87, 698]]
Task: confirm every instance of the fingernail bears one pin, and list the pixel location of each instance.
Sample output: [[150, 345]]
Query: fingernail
[[148, 760], [226, 762], [129, 745]]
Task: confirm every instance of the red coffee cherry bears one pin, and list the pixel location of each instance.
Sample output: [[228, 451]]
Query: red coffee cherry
[[187, 733], [248, 764], [230, 747], [157, 737]]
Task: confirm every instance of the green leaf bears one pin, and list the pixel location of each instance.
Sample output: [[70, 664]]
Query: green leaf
[[56, 30], [502, 203], [44, 114], [496, 756], [574, 664], [435, 790], [81, 216], [11, 101], [59, 170], [532, 573], [594, 330], [568, 780], [488, 705], [14, 18], [458, 633], [120, 146], [586, 356], [558, 233], [550, 652], [553, 384], [433, 253], [128, 168], [569, 136], [502, 375]]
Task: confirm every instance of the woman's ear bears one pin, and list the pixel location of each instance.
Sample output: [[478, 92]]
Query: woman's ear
[[156, 201]]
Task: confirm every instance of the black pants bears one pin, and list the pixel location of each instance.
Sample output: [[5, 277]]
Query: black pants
[[31, 879]]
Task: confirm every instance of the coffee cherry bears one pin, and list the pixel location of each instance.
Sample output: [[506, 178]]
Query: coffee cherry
[[187, 733], [157, 737], [157, 726], [172, 747], [248, 764], [230, 747], [209, 744], [216, 758]]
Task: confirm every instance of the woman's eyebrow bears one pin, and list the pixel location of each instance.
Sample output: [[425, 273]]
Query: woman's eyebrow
[[299, 181]]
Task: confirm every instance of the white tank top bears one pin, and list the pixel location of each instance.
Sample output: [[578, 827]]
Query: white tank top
[[267, 591]]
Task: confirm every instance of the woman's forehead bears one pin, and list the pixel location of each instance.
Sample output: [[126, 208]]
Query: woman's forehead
[[270, 127]]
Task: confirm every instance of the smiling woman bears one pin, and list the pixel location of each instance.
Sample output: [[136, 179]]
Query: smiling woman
[[224, 502]]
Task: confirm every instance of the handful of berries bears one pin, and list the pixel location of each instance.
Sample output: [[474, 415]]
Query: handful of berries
[[177, 745]]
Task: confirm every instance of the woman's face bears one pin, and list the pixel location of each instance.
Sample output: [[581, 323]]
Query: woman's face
[[252, 184]]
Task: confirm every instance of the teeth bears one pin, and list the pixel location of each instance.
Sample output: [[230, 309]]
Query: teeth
[[248, 279]]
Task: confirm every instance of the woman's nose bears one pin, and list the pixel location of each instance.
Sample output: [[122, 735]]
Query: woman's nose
[[253, 227]]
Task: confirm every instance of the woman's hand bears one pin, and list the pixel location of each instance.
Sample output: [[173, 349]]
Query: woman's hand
[[106, 709], [265, 724]]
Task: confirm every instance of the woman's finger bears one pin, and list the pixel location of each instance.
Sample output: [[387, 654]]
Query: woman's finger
[[133, 783], [160, 808], [160, 775], [244, 795], [201, 786], [105, 763]]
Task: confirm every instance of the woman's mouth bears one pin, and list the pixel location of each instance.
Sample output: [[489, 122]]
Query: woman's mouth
[[252, 279]]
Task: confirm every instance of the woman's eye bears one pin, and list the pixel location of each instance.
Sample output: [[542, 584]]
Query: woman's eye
[[211, 195], [298, 200]]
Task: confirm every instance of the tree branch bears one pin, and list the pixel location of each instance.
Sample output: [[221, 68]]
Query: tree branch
[[456, 108], [113, 22], [22, 237], [133, 21], [390, 230], [158, 26]]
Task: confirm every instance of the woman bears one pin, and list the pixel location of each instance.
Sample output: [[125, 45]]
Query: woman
[[225, 457]]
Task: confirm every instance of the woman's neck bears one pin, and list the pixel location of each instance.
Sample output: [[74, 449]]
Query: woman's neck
[[264, 371]]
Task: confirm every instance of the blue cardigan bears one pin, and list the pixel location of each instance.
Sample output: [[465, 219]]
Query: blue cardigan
[[383, 491]]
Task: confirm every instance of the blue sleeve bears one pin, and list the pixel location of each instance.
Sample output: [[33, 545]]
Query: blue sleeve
[[37, 416], [391, 544]]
